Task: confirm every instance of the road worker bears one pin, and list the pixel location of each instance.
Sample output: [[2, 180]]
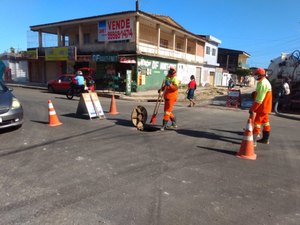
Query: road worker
[[170, 89], [262, 106]]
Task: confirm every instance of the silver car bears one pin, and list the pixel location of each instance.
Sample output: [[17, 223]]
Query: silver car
[[11, 111]]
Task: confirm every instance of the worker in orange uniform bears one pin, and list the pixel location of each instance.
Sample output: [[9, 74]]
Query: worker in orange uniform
[[262, 106], [170, 89]]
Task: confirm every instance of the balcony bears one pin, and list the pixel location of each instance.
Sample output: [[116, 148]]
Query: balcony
[[243, 65], [148, 48]]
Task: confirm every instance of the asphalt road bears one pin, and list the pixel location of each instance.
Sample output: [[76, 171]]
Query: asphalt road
[[106, 172]]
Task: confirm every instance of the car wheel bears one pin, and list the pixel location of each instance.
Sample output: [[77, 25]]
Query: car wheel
[[50, 89]]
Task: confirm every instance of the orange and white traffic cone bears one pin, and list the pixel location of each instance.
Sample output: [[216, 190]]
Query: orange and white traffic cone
[[247, 146], [53, 119], [113, 107]]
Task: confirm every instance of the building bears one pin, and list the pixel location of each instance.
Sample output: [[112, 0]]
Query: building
[[232, 60], [13, 67], [211, 74], [128, 48]]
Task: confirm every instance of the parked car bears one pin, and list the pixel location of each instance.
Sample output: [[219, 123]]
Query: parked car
[[11, 111], [63, 83], [60, 84]]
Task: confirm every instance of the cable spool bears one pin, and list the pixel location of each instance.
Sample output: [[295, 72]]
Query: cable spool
[[139, 117]]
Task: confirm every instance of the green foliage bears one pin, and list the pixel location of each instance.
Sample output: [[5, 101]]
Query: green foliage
[[12, 50]]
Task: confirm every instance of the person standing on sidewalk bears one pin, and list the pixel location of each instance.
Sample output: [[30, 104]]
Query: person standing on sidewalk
[[262, 106], [170, 89], [191, 91]]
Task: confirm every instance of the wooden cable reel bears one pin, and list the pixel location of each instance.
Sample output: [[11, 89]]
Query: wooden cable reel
[[139, 117]]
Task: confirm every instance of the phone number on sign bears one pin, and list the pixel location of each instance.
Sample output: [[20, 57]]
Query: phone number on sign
[[121, 34]]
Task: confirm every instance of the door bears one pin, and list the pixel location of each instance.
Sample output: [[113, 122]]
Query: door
[[212, 78], [198, 76]]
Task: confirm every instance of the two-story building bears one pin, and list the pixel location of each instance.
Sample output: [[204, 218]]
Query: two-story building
[[211, 73], [232, 60], [133, 43]]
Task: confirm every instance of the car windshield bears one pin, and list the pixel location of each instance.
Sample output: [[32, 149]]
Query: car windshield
[[3, 88]]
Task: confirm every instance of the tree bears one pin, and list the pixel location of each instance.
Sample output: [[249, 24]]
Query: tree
[[12, 50]]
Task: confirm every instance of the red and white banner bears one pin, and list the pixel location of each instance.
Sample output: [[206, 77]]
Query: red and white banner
[[115, 29]]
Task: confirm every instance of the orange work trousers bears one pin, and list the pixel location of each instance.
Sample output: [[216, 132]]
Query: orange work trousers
[[261, 120], [168, 108]]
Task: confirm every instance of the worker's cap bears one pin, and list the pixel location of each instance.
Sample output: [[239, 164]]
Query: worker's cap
[[260, 71], [172, 71]]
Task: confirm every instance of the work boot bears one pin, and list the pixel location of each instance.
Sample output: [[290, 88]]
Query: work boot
[[174, 125], [164, 126], [255, 136], [265, 138]]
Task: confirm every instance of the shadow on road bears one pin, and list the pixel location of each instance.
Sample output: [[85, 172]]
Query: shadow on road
[[74, 115], [207, 135], [37, 121], [218, 150], [122, 122], [230, 131]]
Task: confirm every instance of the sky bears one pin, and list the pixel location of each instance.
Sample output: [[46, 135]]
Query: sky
[[262, 28]]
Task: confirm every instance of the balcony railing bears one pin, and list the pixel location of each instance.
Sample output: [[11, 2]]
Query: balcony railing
[[150, 48], [243, 65]]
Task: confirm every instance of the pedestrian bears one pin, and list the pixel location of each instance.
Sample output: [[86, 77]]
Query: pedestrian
[[286, 86], [170, 89], [230, 83], [191, 91], [285, 92], [262, 106]]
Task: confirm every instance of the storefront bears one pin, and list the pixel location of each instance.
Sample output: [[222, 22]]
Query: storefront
[[151, 72], [111, 70]]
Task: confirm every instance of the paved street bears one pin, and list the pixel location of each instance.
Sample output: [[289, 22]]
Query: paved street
[[106, 172]]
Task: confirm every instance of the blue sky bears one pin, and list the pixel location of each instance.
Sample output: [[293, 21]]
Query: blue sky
[[262, 28]]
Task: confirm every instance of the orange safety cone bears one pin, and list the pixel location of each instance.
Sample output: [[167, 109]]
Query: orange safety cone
[[113, 107], [53, 119], [247, 146]]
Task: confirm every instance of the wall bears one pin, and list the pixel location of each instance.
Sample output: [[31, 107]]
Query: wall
[[18, 70], [184, 71], [151, 72], [209, 58]]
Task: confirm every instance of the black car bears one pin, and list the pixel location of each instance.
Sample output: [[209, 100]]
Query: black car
[[11, 111]]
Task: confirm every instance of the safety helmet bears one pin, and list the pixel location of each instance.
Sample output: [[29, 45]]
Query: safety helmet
[[260, 71], [79, 73]]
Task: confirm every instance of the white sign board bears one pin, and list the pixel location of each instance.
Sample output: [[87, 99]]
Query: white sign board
[[117, 29], [89, 103]]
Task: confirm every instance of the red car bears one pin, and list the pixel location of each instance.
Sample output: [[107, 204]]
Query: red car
[[63, 83]]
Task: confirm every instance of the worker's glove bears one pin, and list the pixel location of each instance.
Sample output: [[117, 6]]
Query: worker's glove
[[167, 83], [159, 91]]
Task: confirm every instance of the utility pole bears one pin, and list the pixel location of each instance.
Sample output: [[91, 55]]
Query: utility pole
[[227, 62]]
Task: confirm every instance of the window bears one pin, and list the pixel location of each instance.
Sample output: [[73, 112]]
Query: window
[[76, 39], [179, 47], [163, 43], [86, 38], [214, 51], [207, 50]]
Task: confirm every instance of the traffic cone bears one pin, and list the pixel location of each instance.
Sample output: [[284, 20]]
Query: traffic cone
[[247, 146], [53, 119], [113, 107]]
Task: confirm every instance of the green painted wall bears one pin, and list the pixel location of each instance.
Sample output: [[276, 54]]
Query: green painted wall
[[153, 70]]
